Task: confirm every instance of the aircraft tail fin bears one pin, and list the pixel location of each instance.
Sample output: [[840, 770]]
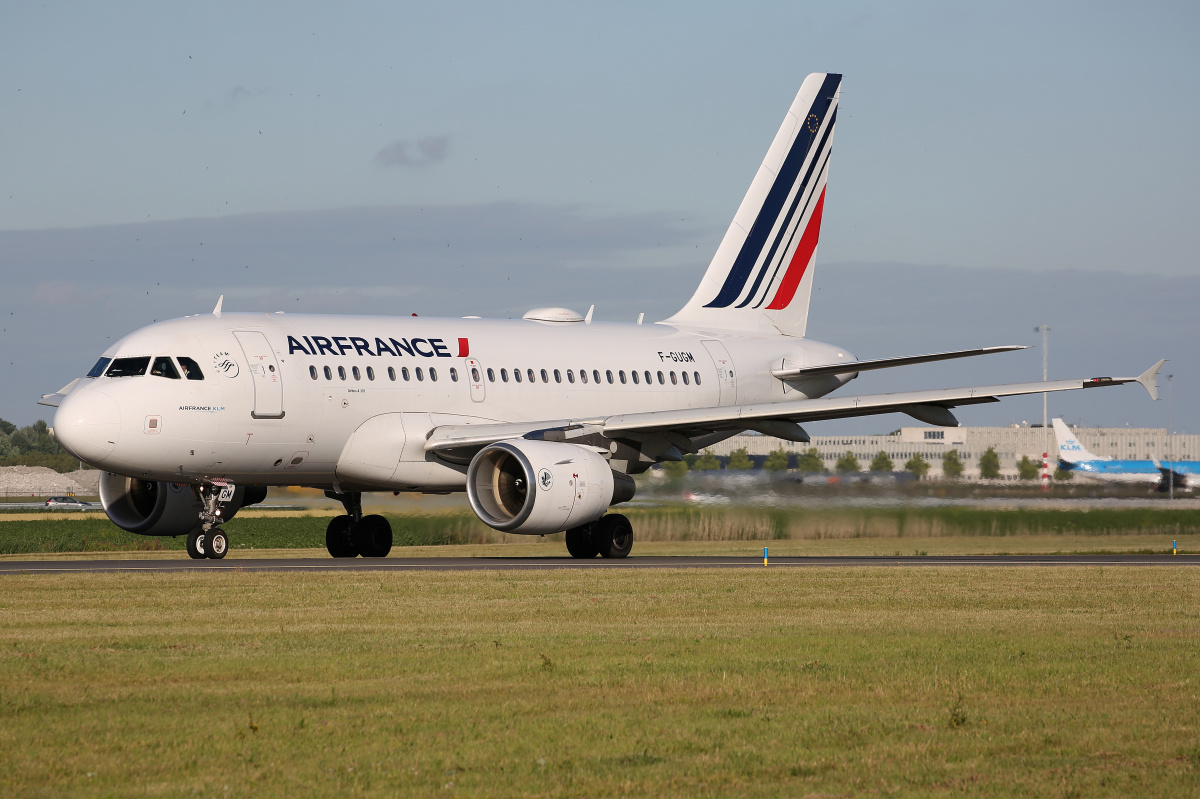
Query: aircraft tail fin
[[1069, 448], [761, 275]]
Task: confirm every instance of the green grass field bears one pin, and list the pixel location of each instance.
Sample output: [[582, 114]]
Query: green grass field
[[849, 530], [900, 682]]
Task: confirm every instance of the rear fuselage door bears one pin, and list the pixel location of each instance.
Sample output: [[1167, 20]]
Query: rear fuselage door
[[725, 376], [264, 370], [475, 378]]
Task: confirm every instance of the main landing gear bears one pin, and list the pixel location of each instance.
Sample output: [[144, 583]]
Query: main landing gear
[[610, 537], [354, 534], [208, 540]]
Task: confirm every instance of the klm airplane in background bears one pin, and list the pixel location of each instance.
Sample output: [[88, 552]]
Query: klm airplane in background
[[1074, 457]]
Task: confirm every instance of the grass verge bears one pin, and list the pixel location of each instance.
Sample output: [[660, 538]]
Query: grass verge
[[888, 529], [994, 682]]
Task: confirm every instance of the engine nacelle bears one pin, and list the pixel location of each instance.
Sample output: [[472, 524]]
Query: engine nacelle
[[539, 487], [148, 507]]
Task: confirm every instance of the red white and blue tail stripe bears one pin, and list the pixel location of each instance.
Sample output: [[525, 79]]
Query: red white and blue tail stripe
[[761, 276]]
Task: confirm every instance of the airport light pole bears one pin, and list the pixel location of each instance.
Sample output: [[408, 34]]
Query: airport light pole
[[1170, 443], [1045, 330]]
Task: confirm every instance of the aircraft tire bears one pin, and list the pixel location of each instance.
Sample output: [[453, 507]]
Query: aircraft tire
[[195, 544], [372, 537], [337, 538], [613, 536], [580, 543], [216, 544]]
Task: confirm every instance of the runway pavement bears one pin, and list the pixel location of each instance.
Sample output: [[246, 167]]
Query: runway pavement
[[543, 563]]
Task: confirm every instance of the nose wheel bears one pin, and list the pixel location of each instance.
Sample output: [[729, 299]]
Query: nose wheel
[[213, 544]]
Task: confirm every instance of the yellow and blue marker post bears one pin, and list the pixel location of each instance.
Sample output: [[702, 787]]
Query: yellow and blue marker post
[[765, 562]]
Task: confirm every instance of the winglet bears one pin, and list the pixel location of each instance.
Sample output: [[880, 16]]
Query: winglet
[[217, 310], [1149, 379], [587, 320]]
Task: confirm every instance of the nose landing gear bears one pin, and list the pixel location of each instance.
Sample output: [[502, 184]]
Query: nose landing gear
[[208, 540], [354, 534]]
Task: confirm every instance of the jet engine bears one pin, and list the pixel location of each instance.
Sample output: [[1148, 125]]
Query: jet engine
[[539, 487], [148, 507]]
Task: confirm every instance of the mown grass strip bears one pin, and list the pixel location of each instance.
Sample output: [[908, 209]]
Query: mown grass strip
[[993, 682], [655, 524]]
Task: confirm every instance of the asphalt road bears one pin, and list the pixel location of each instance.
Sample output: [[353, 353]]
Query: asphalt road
[[518, 564]]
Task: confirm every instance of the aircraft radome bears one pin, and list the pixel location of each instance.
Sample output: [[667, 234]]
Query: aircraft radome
[[541, 420]]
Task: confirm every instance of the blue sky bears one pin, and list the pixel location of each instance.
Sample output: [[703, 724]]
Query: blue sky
[[614, 140]]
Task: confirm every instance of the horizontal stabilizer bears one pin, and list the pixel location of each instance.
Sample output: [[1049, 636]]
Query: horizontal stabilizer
[[847, 367]]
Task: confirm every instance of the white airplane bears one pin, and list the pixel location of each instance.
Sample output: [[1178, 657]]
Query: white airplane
[[541, 420]]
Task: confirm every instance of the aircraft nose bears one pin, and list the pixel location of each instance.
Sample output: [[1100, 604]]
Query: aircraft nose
[[87, 424]]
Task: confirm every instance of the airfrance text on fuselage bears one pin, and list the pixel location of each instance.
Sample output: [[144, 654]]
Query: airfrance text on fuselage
[[357, 345]]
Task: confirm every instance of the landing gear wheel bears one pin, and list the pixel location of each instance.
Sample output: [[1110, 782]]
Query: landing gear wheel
[[337, 538], [372, 537], [217, 544], [580, 543], [613, 535], [195, 544]]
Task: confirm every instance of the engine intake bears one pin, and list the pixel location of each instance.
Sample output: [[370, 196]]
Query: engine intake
[[148, 507], [539, 487]]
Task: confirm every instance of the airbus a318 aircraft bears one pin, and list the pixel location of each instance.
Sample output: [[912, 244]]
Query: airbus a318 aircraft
[[1075, 458], [542, 420]]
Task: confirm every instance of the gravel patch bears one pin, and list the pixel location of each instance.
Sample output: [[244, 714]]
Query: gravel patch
[[39, 481]]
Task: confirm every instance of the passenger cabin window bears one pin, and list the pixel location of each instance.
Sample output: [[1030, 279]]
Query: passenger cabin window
[[454, 375], [433, 374], [328, 373], [342, 372], [392, 373], [696, 377], [128, 367], [420, 374], [634, 375], [516, 374], [357, 374], [529, 374], [312, 372], [596, 375], [557, 376], [504, 376], [99, 368], [370, 373], [404, 373], [164, 368], [685, 377]]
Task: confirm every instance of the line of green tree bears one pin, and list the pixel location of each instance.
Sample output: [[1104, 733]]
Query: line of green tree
[[33, 446]]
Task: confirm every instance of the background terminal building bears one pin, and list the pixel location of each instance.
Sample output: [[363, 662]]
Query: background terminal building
[[1010, 443]]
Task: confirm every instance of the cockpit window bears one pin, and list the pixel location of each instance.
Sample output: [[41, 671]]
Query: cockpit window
[[99, 368], [164, 368], [191, 369], [128, 367]]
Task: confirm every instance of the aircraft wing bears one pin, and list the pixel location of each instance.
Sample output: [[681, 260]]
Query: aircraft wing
[[932, 406], [53, 400], [846, 367]]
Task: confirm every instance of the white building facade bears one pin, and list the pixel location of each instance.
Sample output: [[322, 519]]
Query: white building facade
[[1011, 444]]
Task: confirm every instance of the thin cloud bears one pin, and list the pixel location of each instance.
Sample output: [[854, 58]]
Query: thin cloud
[[238, 94], [415, 153]]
